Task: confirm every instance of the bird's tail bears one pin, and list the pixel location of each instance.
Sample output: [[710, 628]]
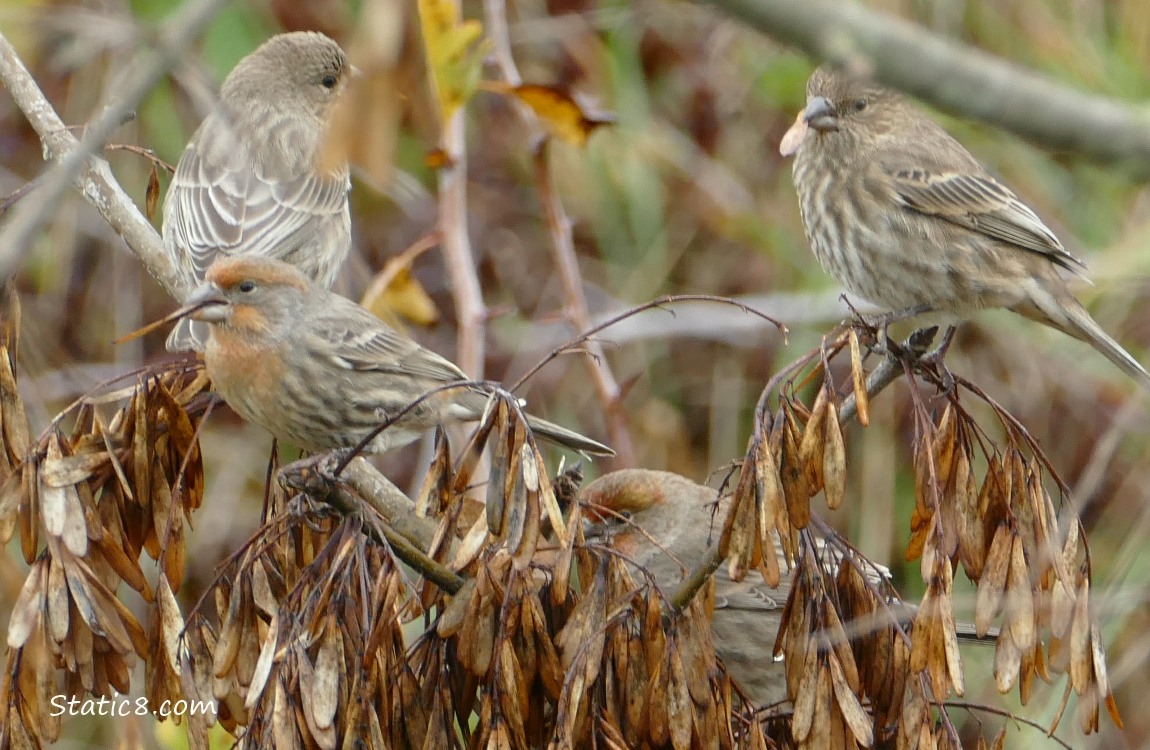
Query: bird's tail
[[567, 438], [188, 335], [1061, 310]]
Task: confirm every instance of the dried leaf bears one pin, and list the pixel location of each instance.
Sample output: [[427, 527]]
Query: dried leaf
[[264, 663], [309, 691], [152, 194], [395, 294], [26, 608], [329, 667], [1081, 654], [560, 112], [858, 379], [1020, 599], [854, 715], [807, 696], [834, 459], [989, 600]]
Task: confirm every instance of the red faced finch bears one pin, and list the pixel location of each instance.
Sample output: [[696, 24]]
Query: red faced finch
[[251, 182], [320, 372], [671, 522], [905, 217]]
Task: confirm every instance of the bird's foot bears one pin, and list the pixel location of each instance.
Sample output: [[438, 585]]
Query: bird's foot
[[934, 359], [876, 326]]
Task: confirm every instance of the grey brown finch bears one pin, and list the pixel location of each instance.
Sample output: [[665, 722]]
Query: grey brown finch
[[905, 217], [251, 182], [667, 531], [665, 523], [320, 372]]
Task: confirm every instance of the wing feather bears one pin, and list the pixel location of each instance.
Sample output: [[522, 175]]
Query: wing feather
[[228, 198], [981, 203]]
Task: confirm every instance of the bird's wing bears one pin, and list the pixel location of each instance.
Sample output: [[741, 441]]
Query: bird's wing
[[751, 594], [981, 203], [357, 340], [222, 201]]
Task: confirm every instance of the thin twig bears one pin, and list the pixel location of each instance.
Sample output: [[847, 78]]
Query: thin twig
[[660, 303], [567, 266], [562, 244], [147, 153], [470, 310]]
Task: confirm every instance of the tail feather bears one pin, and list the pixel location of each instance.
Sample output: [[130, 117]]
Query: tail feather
[[567, 438], [1064, 312]]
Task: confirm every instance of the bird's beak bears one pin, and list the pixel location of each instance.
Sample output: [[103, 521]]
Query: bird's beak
[[356, 72], [207, 303], [820, 115]]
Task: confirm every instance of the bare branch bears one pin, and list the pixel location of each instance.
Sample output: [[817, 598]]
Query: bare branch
[[407, 534], [74, 161], [470, 310], [957, 78], [563, 245]]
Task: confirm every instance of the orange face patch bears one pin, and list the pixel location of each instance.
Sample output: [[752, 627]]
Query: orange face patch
[[248, 319], [227, 273]]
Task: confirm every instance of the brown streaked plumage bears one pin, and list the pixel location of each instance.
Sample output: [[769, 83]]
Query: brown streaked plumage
[[320, 372], [668, 532], [249, 181], [905, 217], [666, 523]]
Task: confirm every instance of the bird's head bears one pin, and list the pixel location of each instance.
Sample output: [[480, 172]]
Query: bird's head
[[304, 71], [639, 509], [841, 105], [250, 297]]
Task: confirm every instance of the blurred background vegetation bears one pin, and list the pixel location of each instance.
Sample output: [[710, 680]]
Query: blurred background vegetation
[[685, 193]]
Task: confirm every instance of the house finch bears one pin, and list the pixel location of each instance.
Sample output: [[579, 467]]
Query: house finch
[[250, 181], [671, 521], [319, 371], [905, 217]]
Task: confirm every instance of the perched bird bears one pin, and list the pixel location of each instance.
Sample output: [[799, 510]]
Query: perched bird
[[905, 217], [251, 181], [668, 531], [320, 372], [665, 523]]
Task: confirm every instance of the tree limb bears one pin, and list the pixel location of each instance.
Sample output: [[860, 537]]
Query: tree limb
[[407, 534], [74, 161], [956, 78]]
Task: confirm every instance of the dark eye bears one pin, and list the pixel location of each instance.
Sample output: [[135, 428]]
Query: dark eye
[[860, 105], [247, 286], [329, 81]]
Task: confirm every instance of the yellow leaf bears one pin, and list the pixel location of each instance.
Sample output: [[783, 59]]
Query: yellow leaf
[[455, 51], [396, 294], [564, 116]]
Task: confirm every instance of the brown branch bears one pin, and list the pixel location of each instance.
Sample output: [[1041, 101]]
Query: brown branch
[[74, 161], [562, 244], [563, 252], [957, 78], [407, 534]]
